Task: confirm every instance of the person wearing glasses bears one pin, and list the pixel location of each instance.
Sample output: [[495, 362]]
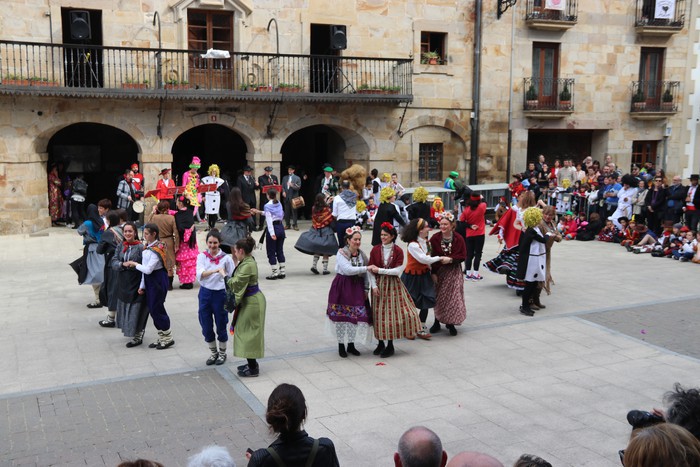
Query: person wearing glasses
[[655, 203]]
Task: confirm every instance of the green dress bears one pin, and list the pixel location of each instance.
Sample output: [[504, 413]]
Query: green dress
[[249, 332]]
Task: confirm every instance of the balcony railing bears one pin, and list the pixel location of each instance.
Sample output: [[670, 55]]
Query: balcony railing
[[653, 17], [655, 96], [548, 94], [123, 71], [537, 16]]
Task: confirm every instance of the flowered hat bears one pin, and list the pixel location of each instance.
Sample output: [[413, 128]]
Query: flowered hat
[[196, 163]]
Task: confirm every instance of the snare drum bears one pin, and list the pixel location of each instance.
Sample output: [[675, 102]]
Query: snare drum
[[139, 206]]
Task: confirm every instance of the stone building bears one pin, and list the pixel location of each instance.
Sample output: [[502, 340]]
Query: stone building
[[96, 86]]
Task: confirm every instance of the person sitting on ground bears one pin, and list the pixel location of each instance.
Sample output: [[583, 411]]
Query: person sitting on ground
[[642, 233], [608, 233], [696, 257], [568, 226], [286, 413], [530, 460], [628, 232], [662, 445], [212, 456], [420, 447], [689, 246], [589, 231], [473, 459]]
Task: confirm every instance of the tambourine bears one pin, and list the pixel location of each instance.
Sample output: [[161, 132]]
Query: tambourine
[[139, 206]]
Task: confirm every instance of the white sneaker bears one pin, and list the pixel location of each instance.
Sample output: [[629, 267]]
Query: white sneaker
[[468, 277], [477, 277]]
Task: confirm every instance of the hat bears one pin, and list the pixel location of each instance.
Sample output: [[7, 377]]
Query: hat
[[164, 171], [694, 177], [518, 176], [454, 174], [477, 197], [569, 213], [685, 229], [678, 226], [328, 169], [135, 166], [247, 168], [196, 163], [268, 168]]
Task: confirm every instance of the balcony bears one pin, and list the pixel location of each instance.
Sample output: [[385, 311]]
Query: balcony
[[548, 98], [654, 100], [538, 17], [28, 68], [659, 20]]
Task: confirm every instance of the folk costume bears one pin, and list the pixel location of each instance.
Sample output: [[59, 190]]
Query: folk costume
[[238, 226], [248, 323], [320, 239], [168, 234], [212, 199], [449, 290], [532, 263], [394, 311], [91, 231], [162, 187], [154, 280], [274, 214], [186, 256], [416, 278], [55, 196], [349, 313], [265, 180], [507, 260], [387, 212], [111, 241], [212, 295], [131, 312]]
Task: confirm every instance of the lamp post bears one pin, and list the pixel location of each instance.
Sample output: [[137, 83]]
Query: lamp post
[[159, 70], [277, 36]]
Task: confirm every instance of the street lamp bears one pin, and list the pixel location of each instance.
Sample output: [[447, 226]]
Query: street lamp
[[159, 70]]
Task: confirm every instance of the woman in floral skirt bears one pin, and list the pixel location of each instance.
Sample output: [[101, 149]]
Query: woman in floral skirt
[[188, 251]]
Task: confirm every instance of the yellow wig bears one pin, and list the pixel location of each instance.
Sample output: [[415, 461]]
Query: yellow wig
[[437, 204], [420, 195], [386, 194], [214, 170], [361, 206], [532, 216], [386, 177]]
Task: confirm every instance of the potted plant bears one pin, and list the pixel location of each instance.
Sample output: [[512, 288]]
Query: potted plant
[[39, 81], [367, 89], [249, 87], [132, 84], [565, 97], [393, 89], [431, 57], [531, 98], [264, 88], [667, 101], [15, 80], [638, 100], [289, 87], [175, 84]]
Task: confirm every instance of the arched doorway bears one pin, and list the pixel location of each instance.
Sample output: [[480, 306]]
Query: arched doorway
[[308, 150], [213, 144], [101, 152]]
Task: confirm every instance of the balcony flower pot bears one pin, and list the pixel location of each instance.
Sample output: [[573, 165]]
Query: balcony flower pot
[[44, 83], [531, 101], [177, 86], [264, 88], [638, 101], [15, 82], [565, 98], [667, 101], [667, 106], [134, 85], [367, 89], [289, 87]]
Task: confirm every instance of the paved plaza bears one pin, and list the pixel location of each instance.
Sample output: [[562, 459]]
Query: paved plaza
[[618, 331]]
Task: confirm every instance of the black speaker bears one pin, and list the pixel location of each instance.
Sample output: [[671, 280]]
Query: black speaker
[[339, 40], [80, 25]]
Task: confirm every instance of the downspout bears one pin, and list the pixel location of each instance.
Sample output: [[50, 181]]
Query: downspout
[[476, 86], [509, 155]]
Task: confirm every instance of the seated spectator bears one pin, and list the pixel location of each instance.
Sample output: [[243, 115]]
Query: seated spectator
[[286, 412], [696, 257], [568, 226], [362, 216], [608, 233], [516, 187], [212, 456], [591, 229], [473, 459], [688, 247], [529, 460], [662, 445], [420, 447], [647, 240], [675, 240], [628, 235]]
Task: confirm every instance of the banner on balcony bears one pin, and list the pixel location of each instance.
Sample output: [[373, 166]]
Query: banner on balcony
[[665, 9], [555, 5]]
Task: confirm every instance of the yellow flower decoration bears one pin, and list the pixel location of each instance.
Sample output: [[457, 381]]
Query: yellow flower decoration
[[385, 194], [420, 195], [214, 170], [532, 216], [361, 206]]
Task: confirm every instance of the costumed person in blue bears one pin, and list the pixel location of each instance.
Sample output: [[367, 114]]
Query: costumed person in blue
[[154, 285], [213, 268], [532, 264], [91, 231], [319, 240], [349, 314]]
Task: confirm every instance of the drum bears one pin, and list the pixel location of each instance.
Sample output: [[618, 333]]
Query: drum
[[298, 202], [139, 206]]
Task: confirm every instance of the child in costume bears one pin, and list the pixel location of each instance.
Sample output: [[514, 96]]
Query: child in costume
[[608, 233]]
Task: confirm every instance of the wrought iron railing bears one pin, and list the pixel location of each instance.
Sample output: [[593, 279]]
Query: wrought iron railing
[[143, 70], [548, 94], [535, 10], [665, 14], [655, 96]]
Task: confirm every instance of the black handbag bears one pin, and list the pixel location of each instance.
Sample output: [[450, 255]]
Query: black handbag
[[230, 301]]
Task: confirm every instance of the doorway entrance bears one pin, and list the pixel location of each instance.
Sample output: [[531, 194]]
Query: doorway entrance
[[559, 144]]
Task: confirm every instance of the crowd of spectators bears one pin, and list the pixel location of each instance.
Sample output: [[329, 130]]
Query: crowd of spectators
[[640, 210]]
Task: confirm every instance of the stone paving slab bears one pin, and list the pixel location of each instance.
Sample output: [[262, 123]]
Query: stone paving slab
[[558, 385]]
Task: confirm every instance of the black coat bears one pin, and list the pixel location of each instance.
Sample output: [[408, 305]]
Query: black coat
[[419, 210], [526, 239], [386, 212], [295, 449], [590, 231], [660, 203], [247, 189]]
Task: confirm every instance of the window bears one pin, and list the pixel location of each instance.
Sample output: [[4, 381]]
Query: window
[[430, 161], [433, 43], [644, 151], [210, 30], [545, 71], [651, 66]]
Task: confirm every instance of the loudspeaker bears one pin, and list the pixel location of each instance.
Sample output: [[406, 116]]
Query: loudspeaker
[[339, 40], [80, 25]]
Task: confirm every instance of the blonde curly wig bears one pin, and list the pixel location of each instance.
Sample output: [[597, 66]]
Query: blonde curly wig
[[386, 194], [532, 216], [214, 170], [360, 206], [420, 195]]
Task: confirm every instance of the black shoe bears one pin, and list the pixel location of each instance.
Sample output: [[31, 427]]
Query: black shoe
[[272, 277], [435, 327], [249, 372], [221, 359], [105, 323], [539, 305], [352, 350], [452, 329], [186, 286], [242, 367], [153, 345], [629, 248], [380, 348], [341, 351], [212, 359], [526, 311], [388, 352], [134, 343], [314, 270], [281, 276], [161, 346], [94, 305], [326, 272]]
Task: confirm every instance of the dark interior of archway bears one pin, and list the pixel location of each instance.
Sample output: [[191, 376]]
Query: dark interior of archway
[[557, 144], [100, 152], [213, 144]]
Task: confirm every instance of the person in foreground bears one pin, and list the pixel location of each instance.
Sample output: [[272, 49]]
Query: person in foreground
[[420, 447], [662, 445], [286, 412], [248, 322], [474, 459]]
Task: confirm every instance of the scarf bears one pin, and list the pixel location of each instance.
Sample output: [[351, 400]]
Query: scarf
[[322, 218], [159, 248], [345, 251], [215, 259], [128, 244], [350, 198]]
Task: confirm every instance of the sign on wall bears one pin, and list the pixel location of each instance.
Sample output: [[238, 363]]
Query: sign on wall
[[555, 5], [665, 9]]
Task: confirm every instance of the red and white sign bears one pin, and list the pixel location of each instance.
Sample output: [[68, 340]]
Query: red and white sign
[[555, 5]]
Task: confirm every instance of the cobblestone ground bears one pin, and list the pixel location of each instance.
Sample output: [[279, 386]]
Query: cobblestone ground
[[618, 331]]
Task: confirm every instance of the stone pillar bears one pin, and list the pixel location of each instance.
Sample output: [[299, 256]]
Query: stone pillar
[[24, 193]]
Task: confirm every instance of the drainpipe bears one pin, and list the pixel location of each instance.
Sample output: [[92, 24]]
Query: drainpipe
[[476, 86], [509, 155]]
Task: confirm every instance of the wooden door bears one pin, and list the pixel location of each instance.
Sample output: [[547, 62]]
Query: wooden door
[[545, 72], [650, 74], [210, 30]]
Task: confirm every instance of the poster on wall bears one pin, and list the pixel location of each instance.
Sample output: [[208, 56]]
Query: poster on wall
[[555, 5], [665, 9]]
